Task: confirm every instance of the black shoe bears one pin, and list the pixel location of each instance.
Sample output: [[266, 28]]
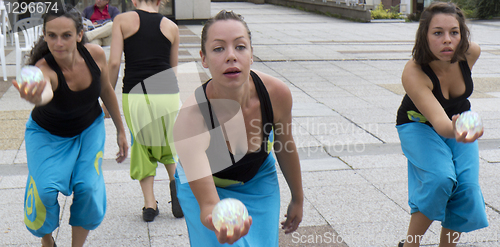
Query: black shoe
[[401, 243], [55, 245], [176, 207], [149, 214]]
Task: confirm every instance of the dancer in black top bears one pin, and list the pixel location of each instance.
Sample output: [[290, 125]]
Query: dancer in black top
[[225, 135], [65, 133], [443, 165], [150, 100]]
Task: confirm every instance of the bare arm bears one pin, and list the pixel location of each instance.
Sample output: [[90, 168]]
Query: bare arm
[[116, 50], [191, 138], [109, 99], [473, 54], [288, 158], [171, 31]]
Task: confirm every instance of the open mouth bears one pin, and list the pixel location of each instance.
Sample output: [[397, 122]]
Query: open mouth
[[232, 71], [447, 50]]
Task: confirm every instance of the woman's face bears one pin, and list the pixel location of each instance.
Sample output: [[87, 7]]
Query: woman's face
[[228, 52], [443, 36], [61, 37]]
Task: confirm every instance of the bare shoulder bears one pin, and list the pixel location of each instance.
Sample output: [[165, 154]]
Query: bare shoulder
[[96, 52], [412, 71], [47, 71], [169, 29], [280, 95], [473, 53], [276, 88], [414, 78], [167, 22], [125, 16], [44, 66], [94, 49]]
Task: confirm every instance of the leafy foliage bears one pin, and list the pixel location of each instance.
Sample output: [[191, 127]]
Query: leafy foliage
[[487, 9], [380, 13]]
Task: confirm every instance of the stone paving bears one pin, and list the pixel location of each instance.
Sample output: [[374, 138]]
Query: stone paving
[[345, 81]]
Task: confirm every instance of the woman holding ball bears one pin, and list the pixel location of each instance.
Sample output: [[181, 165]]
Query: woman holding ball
[[443, 164], [224, 136], [65, 132]]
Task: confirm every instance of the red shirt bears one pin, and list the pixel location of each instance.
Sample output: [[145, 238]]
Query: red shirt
[[98, 15]]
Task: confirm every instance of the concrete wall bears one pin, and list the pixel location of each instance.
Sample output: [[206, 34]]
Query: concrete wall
[[405, 7], [329, 7], [190, 10]]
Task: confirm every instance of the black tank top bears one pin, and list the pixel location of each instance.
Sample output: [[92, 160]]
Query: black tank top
[[147, 53], [408, 112], [69, 112], [247, 167]]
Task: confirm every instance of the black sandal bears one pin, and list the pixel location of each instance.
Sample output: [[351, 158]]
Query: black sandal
[[149, 214], [401, 243], [176, 206]]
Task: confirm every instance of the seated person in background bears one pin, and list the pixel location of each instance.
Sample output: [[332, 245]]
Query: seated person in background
[[101, 15]]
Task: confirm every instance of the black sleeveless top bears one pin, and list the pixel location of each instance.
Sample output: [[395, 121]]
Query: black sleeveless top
[[69, 112], [147, 58], [247, 167], [408, 112]]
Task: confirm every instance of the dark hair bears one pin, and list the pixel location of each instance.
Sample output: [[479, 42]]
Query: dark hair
[[222, 16], [40, 49], [421, 51]]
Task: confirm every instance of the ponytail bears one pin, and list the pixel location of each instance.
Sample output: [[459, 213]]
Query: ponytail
[[40, 49]]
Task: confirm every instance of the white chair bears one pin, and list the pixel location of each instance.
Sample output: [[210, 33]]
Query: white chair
[[4, 21], [32, 30], [2, 57], [40, 7]]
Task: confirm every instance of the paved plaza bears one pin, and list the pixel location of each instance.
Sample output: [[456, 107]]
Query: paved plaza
[[345, 79]]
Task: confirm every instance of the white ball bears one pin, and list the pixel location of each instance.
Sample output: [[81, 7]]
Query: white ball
[[29, 74], [469, 121], [229, 212]]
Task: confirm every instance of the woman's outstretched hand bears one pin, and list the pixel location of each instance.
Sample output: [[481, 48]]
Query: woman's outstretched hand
[[462, 137], [222, 234], [32, 92], [123, 146], [293, 217]]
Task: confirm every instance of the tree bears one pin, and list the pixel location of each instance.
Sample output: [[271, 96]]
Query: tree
[[486, 9]]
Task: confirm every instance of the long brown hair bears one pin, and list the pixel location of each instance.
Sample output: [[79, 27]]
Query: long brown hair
[[41, 48], [421, 52]]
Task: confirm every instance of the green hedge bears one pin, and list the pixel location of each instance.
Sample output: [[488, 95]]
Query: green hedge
[[482, 9], [380, 13], [487, 9]]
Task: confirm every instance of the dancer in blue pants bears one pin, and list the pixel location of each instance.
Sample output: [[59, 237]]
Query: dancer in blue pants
[[443, 165], [65, 132], [225, 134]]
